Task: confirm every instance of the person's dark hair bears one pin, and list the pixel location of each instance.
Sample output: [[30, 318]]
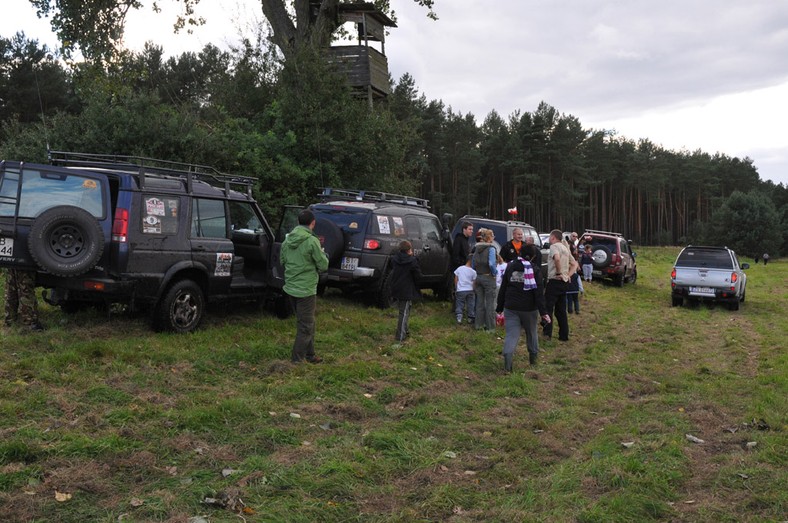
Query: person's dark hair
[[405, 246], [306, 217]]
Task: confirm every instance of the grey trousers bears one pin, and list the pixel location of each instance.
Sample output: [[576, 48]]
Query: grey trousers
[[304, 345], [486, 293], [514, 321]]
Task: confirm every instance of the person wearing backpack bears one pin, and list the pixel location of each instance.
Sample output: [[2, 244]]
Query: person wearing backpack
[[485, 265]]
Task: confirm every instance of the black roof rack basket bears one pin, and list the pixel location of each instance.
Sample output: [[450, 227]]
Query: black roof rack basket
[[152, 166], [328, 194]]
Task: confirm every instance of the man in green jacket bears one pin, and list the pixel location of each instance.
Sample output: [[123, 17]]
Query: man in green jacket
[[303, 258]]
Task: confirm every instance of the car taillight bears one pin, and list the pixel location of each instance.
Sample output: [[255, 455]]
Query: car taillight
[[371, 244], [93, 285], [615, 260], [673, 274], [120, 226], [734, 279]]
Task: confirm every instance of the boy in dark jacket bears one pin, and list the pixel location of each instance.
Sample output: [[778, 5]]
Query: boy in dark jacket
[[405, 276]]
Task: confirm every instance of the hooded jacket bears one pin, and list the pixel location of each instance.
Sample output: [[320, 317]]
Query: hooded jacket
[[405, 277], [302, 258]]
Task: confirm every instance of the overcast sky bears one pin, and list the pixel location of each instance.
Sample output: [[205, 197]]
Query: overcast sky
[[691, 74]]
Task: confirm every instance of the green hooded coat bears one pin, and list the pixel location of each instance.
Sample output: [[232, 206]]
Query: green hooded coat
[[302, 258]]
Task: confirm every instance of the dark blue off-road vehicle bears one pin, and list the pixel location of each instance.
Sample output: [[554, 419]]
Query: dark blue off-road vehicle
[[153, 235]]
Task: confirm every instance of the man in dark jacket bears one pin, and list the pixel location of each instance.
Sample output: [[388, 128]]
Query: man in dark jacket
[[461, 247], [513, 248], [303, 258], [521, 300], [405, 277]]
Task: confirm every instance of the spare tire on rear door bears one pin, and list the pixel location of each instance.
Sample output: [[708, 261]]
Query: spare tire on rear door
[[601, 256], [66, 241], [333, 239]]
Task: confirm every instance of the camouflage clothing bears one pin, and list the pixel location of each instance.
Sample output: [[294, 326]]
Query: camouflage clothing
[[20, 297]]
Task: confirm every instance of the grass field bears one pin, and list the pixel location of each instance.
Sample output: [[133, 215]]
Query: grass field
[[102, 420]]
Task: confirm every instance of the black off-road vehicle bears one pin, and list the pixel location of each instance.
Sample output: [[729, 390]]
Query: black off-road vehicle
[[150, 234], [359, 231]]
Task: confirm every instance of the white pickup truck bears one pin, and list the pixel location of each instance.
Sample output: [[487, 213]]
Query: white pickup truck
[[708, 274]]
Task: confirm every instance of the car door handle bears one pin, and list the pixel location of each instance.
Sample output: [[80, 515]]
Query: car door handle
[[426, 247], [199, 248]]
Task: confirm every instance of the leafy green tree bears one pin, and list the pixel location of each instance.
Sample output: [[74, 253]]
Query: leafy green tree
[[96, 26], [747, 223], [33, 85]]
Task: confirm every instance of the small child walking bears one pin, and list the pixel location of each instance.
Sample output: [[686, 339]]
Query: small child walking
[[573, 294], [405, 277], [464, 294], [587, 263]]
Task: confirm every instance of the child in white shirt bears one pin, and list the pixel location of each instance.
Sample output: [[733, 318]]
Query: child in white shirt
[[465, 297]]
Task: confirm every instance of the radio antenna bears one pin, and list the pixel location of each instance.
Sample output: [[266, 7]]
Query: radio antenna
[[41, 106]]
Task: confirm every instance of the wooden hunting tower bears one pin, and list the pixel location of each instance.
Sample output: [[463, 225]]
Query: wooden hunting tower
[[366, 68]]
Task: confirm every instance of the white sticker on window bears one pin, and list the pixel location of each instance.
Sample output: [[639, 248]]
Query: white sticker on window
[[383, 225]]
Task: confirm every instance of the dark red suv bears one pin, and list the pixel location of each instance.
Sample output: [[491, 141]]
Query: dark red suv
[[613, 256]]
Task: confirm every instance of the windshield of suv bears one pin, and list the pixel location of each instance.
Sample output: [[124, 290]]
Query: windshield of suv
[[717, 259], [43, 190]]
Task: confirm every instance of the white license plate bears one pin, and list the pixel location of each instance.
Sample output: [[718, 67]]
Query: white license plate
[[707, 291], [6, 246], [349, 264]]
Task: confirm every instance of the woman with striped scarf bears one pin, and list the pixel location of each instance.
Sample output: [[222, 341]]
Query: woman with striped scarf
[[522, 302]]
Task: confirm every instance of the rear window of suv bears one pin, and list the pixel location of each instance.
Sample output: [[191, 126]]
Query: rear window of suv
[[42, 190], [716, 259]]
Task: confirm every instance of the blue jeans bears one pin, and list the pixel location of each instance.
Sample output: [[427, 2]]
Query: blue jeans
[[588, 271], [572, 301], [465, 301]]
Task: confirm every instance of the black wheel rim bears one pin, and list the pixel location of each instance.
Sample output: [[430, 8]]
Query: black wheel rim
[[67, 241]]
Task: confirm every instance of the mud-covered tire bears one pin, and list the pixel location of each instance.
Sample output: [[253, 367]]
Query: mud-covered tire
[[633, 277], [382, 294], [283, 307], [66, 241], [181, 309], [445, 291]]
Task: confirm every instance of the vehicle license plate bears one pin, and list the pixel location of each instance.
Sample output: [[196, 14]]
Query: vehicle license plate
[[349, 264], [707, 291], [6, 246], [596, 273]]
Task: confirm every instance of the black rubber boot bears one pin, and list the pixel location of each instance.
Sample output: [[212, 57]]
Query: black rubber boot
[[507, 362], [532, 358]]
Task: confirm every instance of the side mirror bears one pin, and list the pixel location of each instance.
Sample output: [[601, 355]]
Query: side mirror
[[446, 219], [634, 254], [745, 265]]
